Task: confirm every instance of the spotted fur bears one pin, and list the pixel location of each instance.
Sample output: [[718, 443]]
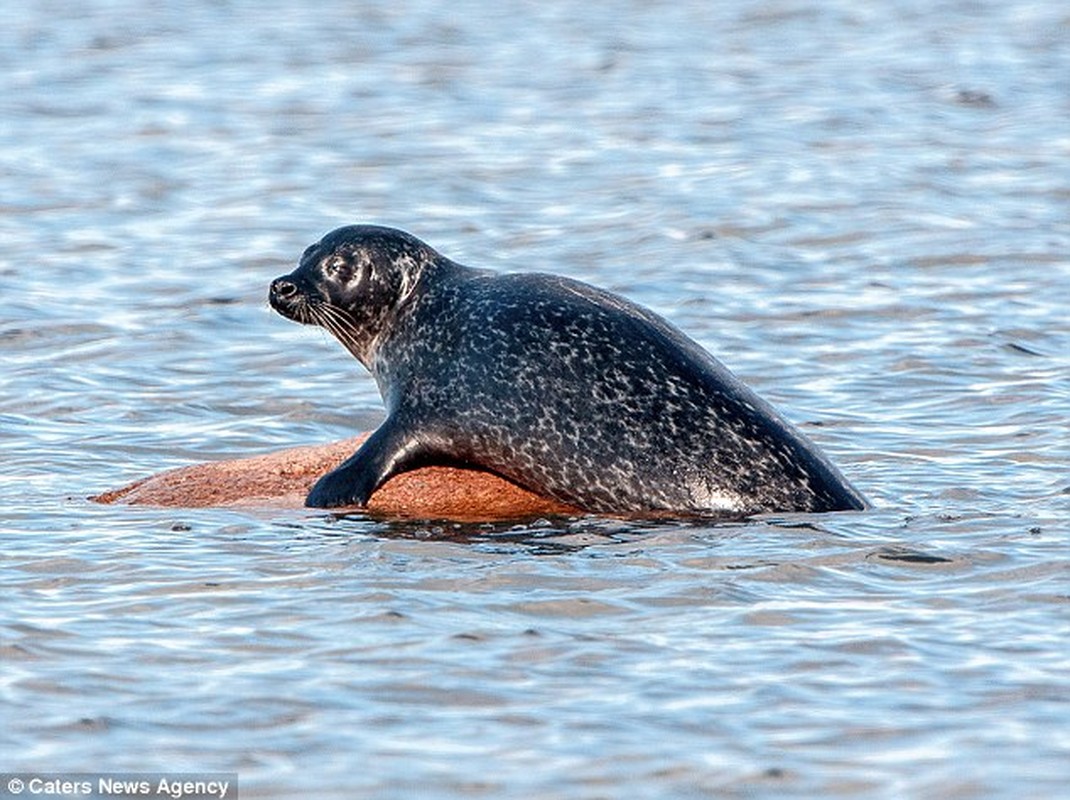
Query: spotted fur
[[570, 391]]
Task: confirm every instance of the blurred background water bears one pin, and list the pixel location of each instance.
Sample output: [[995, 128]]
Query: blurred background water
[[862, 208]]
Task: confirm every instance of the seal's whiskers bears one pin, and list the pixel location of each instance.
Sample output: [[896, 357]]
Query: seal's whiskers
[[339, 323]]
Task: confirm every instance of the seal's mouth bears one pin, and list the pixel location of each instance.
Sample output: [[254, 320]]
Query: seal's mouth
[[286, 297]]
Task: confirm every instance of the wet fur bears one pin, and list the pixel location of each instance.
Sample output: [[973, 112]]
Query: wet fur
[[570, 391]]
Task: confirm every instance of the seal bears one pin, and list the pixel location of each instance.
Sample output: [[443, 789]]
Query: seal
[[569, 391]]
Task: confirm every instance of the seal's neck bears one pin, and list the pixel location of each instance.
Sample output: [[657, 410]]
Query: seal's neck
[[415, 285], [417, 323]]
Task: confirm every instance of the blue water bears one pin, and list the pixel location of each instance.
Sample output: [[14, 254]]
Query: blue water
[[861, 208]]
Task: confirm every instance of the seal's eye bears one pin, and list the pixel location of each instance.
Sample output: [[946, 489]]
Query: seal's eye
[[337, 268]]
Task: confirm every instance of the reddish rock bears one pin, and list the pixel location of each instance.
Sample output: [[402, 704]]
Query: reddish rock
[[282, 479]]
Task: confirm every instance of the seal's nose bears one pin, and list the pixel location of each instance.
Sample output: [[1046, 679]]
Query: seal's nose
[[282, 293]]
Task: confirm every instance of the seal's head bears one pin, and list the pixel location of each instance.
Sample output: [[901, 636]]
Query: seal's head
[[352, 281]]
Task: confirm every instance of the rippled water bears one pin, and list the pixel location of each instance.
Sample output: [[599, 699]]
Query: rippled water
[[861, 208]]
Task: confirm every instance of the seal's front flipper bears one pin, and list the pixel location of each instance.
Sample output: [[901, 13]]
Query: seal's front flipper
[[388, 451]]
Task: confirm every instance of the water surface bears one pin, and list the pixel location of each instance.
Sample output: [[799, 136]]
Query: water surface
[[862, 210]]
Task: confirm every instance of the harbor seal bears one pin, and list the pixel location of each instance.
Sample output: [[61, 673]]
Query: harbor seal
[[572, 392]]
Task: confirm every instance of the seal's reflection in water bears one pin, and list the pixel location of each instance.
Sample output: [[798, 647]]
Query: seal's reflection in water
[[551, 535], [779, 544]]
